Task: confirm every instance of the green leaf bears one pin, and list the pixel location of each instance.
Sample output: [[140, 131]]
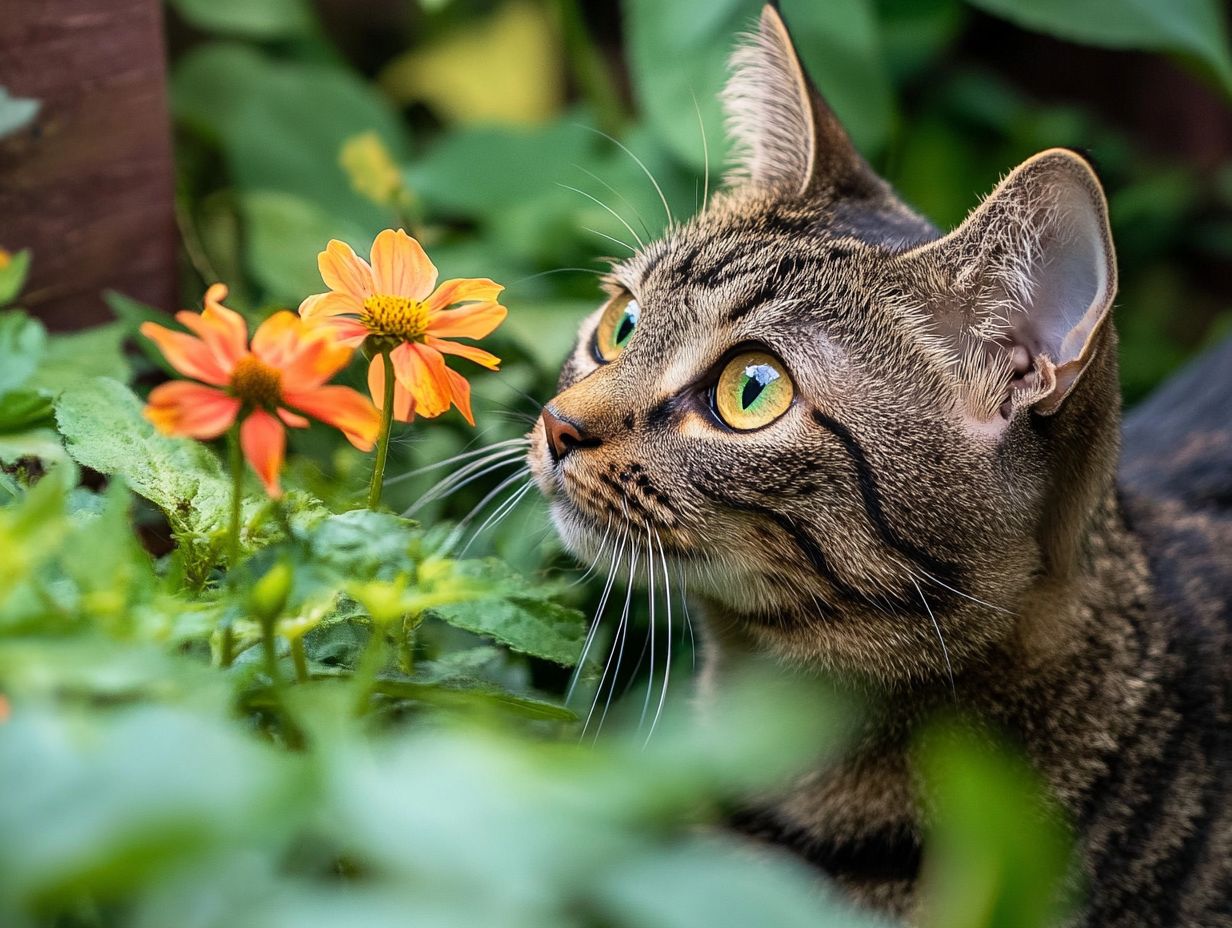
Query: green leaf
[[22, 343], [679, 54], [103, 428], [15, 113], [547, 329], [131, 313], [24, 409], [1193, 28], [76, 356], [720, 885], [364, 545], [532, 626], [282, 125], [267, 19], [997, 853], [13, 275], [285, 235]]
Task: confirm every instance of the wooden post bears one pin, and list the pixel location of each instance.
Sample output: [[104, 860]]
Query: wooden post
[[89, 186]]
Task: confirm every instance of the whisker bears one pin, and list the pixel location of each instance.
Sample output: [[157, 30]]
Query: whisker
[[645, 170], [595, 563], [944, 651], [620, 196], [932, 579], [501, 512], [617, 553], [465, 476], [456, 535], [610, 238], [557, 270], [619, 218], [701, 124], [615, 652], [688, 621], [650, 598], [520, 440], [667, 664]]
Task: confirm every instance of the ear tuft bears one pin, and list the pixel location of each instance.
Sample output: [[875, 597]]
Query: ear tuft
[[785, 135]]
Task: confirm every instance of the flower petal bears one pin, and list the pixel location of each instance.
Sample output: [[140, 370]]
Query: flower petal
[[422, 371], [400, 267], [320, 305], [470, 352], [311, 357], [188, 355], [180, 407], [277, 338], [462, 290], [344, 409], [343, 331], [224, 330], [404, 408], [344, 271], [475, 320], [291, 419], [264, 443], [460, 390]]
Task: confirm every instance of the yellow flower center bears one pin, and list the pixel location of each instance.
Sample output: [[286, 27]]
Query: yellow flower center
[[395, 317], [256, 383]]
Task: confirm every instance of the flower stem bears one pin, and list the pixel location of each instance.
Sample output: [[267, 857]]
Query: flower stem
[[236, 458], [300, 659], [382, 442]]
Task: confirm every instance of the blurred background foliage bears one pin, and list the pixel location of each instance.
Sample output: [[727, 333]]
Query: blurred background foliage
[[517, 139]]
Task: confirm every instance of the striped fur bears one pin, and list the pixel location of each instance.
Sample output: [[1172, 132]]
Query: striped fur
[[932, 520]]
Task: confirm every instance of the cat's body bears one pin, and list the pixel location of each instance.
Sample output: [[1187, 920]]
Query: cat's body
[[881, 453]]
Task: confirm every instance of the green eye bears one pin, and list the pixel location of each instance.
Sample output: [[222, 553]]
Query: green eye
[[753, 390], [616, 326]]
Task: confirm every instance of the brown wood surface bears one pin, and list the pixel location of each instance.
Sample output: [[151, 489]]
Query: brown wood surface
[[88, 187]]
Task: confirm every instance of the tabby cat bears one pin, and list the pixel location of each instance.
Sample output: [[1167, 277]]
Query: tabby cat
[[889, 454]]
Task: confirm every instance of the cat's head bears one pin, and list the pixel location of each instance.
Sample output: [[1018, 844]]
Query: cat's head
[[847, 432]]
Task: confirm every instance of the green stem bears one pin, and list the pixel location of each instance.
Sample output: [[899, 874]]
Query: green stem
[[382, 442], [300, 659], [369, 667], [269, 645], [236, 458]]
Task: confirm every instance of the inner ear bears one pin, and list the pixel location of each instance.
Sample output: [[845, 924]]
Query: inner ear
[[1028, 282]]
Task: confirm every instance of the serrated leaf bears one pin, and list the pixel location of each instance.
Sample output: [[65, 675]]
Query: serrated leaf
[[531, 626], [103, 428], [22, 343], [364, 545]]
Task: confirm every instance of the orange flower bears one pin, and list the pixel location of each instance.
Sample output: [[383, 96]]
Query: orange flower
[[287, 365], [392, 302]]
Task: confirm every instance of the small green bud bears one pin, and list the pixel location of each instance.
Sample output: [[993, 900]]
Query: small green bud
[[269, 594]]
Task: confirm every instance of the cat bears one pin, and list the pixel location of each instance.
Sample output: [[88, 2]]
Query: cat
[[888, 454]]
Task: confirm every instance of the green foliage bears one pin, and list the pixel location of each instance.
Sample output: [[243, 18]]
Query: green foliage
[[1000, 850], [15, 113], [1195, 28]]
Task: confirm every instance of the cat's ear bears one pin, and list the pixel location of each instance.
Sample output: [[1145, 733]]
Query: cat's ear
[[1024, 286], [785, 135]]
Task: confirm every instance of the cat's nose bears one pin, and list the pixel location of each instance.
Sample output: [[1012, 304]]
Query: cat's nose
[[563, 436]]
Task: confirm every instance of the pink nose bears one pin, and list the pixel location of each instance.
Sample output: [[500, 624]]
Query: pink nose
[[563, 436]]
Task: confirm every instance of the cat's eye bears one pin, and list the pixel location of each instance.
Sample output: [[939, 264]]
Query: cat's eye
[[753, 390], [616, 327]]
